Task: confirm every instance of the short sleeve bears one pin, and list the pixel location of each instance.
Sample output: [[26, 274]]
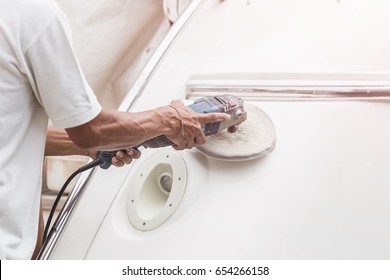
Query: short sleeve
[[57, 79]]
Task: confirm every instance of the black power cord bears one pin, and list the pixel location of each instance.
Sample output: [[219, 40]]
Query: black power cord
[[103, 159]]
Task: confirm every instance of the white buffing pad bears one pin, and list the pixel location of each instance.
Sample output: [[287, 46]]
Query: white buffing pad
[[254, 138]]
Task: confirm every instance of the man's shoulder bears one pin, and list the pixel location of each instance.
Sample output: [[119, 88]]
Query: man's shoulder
[[27, 19], [28, 11], [39, 8]]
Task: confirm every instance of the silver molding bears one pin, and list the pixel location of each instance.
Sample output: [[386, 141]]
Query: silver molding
[[293, 86]]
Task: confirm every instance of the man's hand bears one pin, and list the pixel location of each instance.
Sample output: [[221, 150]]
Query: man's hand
[[189, 133], [121, 158]]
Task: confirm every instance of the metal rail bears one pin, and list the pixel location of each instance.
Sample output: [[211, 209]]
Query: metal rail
[[293, 87]]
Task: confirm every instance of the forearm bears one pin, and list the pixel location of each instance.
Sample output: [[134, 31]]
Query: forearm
[[58, 143], [113, 130]]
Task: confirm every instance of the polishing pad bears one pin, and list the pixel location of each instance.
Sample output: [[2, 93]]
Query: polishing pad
[[254, 138]]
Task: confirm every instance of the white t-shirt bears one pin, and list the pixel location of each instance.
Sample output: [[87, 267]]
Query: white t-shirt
[[40, 78]]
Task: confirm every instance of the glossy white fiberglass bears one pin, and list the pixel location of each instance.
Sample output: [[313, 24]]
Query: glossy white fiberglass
[[323, 193]]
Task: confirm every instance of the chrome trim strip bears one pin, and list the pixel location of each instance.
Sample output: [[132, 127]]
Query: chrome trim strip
[[126, 105], [292, 89]]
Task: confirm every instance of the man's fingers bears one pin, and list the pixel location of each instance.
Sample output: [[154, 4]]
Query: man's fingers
[[213, 117], [121, 158], [134, 153], [116, 162], [200, 140]]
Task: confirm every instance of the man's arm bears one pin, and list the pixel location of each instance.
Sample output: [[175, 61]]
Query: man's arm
[[113, 130], [58, 143]]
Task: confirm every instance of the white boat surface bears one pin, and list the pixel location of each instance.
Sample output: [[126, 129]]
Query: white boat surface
[[321, 72]]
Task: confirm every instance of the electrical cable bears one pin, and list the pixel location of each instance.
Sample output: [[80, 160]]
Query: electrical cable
[[92, 164]]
